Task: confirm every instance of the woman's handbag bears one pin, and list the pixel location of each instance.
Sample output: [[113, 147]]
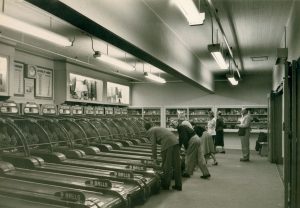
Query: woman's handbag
[[242, 131]]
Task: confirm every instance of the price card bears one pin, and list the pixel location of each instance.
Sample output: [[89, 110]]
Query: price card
[[147, 162], [137, 167], [122, 174], [72, 196], [102, 183]]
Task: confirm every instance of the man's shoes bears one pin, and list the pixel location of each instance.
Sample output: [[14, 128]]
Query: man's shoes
[[205, 176], [178, 188], [215, 163], [223, 152], [186, 175], [244, 159]]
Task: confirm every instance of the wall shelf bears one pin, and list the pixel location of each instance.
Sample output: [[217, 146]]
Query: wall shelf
[[152, 114], [232, 115], [175, 114], [199, 115]]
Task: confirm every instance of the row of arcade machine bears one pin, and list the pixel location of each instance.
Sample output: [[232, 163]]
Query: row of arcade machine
[[63, 156]]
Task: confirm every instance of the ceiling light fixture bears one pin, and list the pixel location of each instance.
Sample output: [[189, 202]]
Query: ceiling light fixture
[[213, 11], [215, 50], [154, 78], [230, 76], [113, 61], [190, 11], [32, 30], [232, 79]]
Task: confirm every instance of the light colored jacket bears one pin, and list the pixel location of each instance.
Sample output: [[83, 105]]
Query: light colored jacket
[[162, 136], [245, 121]]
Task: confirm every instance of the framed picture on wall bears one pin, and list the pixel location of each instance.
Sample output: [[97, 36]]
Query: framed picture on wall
[[43, 83], [117, 93], [29, 88], [19, 79], [4, 63], [85, 89]]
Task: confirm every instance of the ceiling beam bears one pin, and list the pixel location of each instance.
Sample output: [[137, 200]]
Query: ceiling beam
[[80, 21]]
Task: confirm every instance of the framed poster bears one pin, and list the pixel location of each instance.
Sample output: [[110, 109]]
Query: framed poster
[[117, 93], [43, 83], [85, 88], [29, 88], [4, 63], [19, 79]]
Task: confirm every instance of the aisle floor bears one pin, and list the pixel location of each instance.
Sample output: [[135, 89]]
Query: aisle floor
[[233, 184]]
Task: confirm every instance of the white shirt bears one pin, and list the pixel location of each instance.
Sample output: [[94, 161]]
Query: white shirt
[[211, 126], [245, 121]]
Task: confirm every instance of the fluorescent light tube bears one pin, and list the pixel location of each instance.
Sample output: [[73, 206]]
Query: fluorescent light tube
[[32, 30], [190, 11], [215, 50], [113, 61], [154, 78], [220, 60], [232, 80]]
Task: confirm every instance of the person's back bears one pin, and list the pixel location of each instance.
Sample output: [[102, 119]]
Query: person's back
[[162, 136], [220, 124], [170, 154], [185, 133]]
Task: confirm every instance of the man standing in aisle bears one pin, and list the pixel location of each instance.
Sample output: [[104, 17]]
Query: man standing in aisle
[[170, 153], [246, 124]]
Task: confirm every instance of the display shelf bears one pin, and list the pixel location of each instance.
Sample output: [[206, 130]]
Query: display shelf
[[135, 112], [117, 111], [259, 118], [109, 110], [252, 130], [175, 114], [151, 111], [231, 118], [199, 115], [153, 115]]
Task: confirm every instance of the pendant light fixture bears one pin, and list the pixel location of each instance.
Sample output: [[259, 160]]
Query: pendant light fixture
[[110, 60], [113, 61], [216, 52], [190, 11], [213, 11], [232, 79], [15, 24], [230, 76]]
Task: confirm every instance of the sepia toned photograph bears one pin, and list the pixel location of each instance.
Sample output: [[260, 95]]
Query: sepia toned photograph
[[149, 103]]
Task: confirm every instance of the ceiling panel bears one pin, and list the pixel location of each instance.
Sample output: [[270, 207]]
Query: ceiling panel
[[252, 27], [81, 51], [258, 26]]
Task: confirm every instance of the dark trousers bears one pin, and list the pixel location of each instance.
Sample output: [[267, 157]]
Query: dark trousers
[[171, 162]]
